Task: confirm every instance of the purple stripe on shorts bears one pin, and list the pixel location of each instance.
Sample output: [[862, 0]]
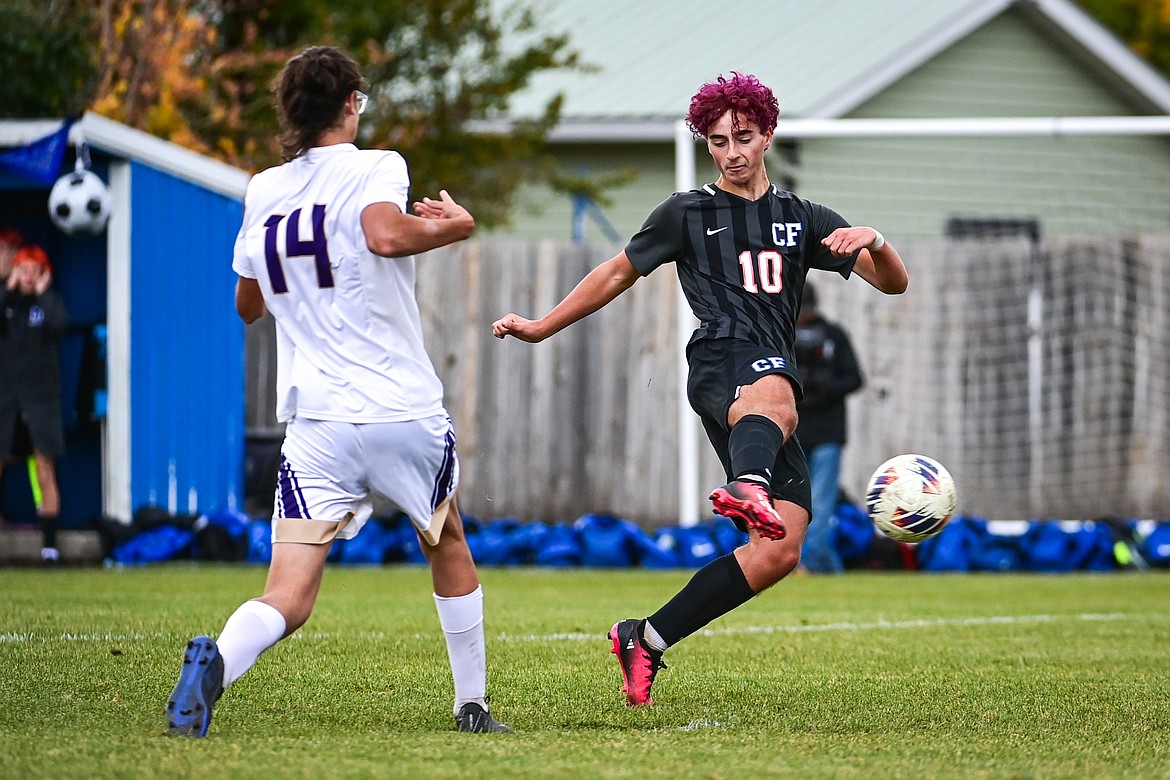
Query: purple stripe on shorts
[[446, 472], [289, 500]]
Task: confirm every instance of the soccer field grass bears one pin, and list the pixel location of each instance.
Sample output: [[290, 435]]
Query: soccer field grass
[[866, 675]]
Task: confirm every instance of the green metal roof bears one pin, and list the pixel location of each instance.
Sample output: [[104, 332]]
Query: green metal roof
[[823, 58]]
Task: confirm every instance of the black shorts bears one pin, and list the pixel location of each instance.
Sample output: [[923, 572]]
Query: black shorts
[[42, 419], [718, 368]]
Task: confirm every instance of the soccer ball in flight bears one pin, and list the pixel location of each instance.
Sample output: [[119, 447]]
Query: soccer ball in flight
[[910, 498], [80, 203]]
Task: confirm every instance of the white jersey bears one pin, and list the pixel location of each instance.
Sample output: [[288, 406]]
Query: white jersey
[[349, 338]]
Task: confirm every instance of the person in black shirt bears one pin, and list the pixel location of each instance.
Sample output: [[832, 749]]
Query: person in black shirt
[[742, 248], [828, 373], [30, 382]]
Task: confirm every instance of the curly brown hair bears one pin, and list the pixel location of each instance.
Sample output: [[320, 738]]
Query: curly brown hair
[[310, 92]]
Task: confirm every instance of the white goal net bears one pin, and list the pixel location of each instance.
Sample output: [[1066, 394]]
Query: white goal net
[[1031, 354]]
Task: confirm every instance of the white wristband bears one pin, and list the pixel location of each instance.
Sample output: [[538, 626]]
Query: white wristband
[[878, 242]]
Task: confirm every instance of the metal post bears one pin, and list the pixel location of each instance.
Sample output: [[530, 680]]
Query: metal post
[[688, 422]]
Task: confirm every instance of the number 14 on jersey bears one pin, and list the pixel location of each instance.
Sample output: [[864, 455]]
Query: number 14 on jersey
[[316, 247]]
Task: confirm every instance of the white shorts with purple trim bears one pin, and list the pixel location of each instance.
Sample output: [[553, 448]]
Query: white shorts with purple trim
[[330, 470]]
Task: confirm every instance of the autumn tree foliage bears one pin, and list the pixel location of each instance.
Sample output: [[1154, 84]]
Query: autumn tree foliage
[[46, 59], [153, 67], [1143, 24], [199, 73], [432, 66]]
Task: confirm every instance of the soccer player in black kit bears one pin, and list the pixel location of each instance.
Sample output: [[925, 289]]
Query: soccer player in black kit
[[742, 248]]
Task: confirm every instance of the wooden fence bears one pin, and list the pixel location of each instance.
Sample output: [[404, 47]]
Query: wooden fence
[[1036, 373]]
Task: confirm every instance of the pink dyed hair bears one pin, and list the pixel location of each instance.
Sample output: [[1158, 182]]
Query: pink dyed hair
[[742, 94], [32, 254]]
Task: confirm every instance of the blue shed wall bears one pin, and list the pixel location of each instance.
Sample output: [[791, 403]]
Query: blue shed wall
[[186, 348]]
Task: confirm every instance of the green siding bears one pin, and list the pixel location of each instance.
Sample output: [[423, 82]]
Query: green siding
[[1073, 184], [1007, 68], [910, 187], [541, 213]]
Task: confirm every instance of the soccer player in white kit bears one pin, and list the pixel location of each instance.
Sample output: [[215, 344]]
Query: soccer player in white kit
[[327, 247]]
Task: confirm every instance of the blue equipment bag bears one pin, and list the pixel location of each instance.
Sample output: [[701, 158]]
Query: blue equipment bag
[[260, 542], [951, 549], [696, 546], [854, 532], [659, 551], [1156, 546], [161, 543], [606, 540], [559, 547]]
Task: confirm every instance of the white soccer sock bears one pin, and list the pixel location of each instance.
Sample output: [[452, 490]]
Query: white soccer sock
[[462, 620], [252, 629], [653, 639]]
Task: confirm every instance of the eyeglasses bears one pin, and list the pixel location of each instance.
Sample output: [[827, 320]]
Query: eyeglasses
[[362, 100]]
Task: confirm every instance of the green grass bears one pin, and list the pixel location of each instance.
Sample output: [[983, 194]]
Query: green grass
[[862, 676]]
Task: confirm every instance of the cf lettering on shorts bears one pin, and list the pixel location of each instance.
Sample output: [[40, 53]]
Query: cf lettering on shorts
[[768, 364]]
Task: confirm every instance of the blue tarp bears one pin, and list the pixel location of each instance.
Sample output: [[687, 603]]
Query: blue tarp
[[39, 161], [596, 540]]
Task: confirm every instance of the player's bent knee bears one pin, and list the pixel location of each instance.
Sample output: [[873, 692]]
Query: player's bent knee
[[788, 419], [774, 560]]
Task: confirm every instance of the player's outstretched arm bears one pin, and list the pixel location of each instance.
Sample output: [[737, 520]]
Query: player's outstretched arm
[[879, 263], [436, 223], [600, 286]]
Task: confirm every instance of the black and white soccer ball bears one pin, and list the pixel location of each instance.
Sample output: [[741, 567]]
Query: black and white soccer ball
[[80, 202], [910, 498]]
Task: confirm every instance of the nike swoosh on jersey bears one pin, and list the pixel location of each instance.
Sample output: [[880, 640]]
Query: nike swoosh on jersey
[[713, 231]]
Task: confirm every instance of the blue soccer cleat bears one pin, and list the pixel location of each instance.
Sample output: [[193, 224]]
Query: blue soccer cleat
[[198, 689]]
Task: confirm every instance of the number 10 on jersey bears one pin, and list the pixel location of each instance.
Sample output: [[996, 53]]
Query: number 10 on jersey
[[771, 271]]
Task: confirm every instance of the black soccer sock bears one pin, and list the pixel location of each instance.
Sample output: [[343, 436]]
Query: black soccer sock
[[715, 590], [48, 531], [753, 445]]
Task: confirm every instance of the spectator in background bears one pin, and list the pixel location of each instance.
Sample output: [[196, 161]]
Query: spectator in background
[[829, 372], [30, 382], [10, 241]]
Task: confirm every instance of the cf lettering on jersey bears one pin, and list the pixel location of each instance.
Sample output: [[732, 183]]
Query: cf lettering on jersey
[[785, 233], [768, 364]]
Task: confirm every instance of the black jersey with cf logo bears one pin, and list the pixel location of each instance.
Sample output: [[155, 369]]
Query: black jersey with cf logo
[[741, 263]]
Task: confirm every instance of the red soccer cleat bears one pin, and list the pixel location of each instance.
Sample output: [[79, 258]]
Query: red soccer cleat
[[639, 663], [751, 504]]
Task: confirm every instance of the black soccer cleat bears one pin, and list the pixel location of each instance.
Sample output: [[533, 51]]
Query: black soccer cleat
[[475, 719], [199, 687]]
